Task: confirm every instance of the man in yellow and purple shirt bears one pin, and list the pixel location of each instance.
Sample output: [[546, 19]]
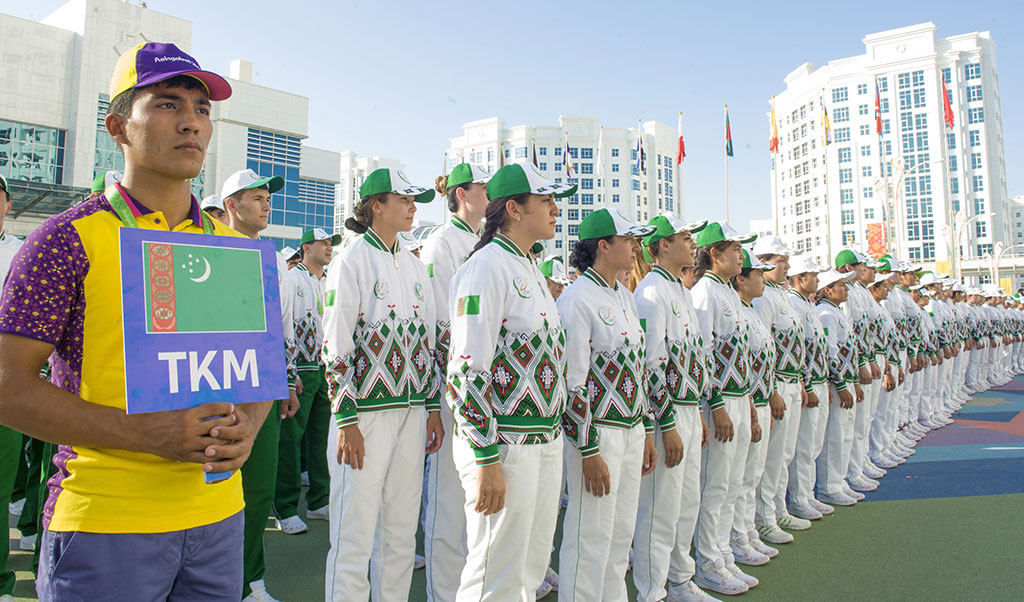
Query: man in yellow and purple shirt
[[129, 509]]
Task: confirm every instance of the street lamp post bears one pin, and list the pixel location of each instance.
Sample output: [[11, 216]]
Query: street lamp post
[[898, 168], [956, 233], [996, 256]]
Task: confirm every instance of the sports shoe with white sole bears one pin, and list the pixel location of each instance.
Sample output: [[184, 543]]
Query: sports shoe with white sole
[[821, 506], [773, 534], [544, 589], [551, 577], [28, 543], [293, 525], [418, 562], [720, 580], [791, 523], [804, 511], [755, 541], [259, 593], [744, 553], [321, 513], [883, 462], [854, 494], [837, 499], [749, 580], [860, 483], [872, 471], [688, 592]]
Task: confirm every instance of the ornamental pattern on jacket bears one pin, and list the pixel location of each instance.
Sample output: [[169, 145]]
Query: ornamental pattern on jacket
[[725, 337], [776, 310], [816, 364], [378, 330], [608, 385], [506, 373], [841, 343], [307, 315], [761, 349], [444, 252]]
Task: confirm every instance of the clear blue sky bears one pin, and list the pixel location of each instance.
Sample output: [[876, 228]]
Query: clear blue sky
[[399, 78]]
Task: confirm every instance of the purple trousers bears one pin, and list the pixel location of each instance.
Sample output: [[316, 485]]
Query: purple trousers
[[203, 563]]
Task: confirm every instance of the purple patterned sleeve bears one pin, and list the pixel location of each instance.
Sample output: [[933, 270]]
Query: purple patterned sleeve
[[43, 291]]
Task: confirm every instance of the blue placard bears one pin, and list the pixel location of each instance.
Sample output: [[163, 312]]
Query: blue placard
[[201, 319]]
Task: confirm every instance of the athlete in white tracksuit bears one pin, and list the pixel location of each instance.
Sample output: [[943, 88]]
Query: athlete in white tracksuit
[[677, 381], [887, 347], [444, 252]]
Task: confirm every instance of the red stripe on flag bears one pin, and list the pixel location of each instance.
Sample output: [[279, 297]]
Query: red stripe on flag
[[161, 288]]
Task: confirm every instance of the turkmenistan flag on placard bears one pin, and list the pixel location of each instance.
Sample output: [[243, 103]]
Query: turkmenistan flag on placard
[[198, 288]]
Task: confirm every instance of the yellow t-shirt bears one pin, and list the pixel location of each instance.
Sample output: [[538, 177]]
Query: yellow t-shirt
[[64, 288]]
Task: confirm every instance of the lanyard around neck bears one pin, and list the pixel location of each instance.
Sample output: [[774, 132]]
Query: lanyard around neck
[[127, 213]]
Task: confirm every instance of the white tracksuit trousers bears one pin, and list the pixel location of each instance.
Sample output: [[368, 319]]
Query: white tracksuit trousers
[[771, 494], [864, 413], [386, 492], [509, 551], [667, 513], [597, 531], [830, 469], [444, 519], [716, 481], [753, 471], [809, 442]]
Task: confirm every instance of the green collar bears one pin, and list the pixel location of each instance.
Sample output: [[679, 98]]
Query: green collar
[[597, 279], [714, 276], [506, 243], [657, 269], [793, 291], [461, 224], [823, 300], [377, 242]]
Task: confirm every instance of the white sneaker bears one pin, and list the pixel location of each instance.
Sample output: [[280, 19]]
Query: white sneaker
[[749, 580], [755, 541], [860, 483], [28, 543], [321, 513], [688, 592], [837, 499], [551, 577], [854, 494], [773, 534], [304, 479], [804, 511], [418, 562], [15, 508], [882, 462], [10, 598], [259, 593], [821, 506], [744, 553], [872, 471], [791, 523], [544, 589], [720, 580], [293, 525]]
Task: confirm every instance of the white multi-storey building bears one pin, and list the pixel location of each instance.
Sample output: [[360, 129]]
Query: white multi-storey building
[[607, 173], [761, 227], [354, 170], [897, 190], [53, 103]]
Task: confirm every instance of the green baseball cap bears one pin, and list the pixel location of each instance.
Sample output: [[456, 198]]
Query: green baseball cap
[[752, 262], [319, 234], [104, 180], [467, 173], [847, 257], [389, 179], [718, 231], [885, 263], [666, 225], [553, 269], [522, 178], [611, 222]]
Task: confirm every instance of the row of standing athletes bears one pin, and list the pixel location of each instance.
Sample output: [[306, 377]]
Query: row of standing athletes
[[468, 348]]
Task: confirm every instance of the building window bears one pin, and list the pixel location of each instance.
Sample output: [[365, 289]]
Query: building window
[[848, 217], [979, 206], [976, 115], [574, 230], [865, 172], [972, 71], [845, 175], [273, 154], [586, 153], [973, 93], [587, 199], [615, 168], [840, 94], [865, 151], [983, 250], [558, 244], [980, 229], [587, 183], [586, 168], [615, 152], [542, 166], [845, 155], [842, 134], [954, 186], [928, 251], [574, 214], [883, 84], [865, 130], [542, 151], [869, 213], [862, 109], [636, 185], [951, 141], [521, 152], [868, 192], [977, 183], [615, 182], [862, 89], [975, 160], [841, 114], [615, 197], [975, 137]]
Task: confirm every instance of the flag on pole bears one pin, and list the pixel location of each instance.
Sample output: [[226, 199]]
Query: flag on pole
[[501, 155], [947, 109], [878, 110], [681, 151], [826, 125], [773, 140], [641, 161], [600, 153], [728, 135], [534, 143], [570, 170]]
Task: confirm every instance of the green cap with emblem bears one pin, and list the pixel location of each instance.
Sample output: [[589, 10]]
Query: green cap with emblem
[[847, 257], [555, 270], [319, 234], [389, 179], [885, 263], [753, 263], [666, 225], [611, 222], [718, 231], [523, 178], [467, 173]]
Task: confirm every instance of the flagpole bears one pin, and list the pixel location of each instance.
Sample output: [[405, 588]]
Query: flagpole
[[726, 111], [679, 170], [824, 165]]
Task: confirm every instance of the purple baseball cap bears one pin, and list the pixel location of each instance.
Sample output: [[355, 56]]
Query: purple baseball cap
[[153, 62]]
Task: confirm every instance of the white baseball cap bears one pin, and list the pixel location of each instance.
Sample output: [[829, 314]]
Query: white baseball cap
[[246, 179], [770, 245], [880, 278], [831, 276], [288, 252], [214, 201], [930, 278], [803, 264]]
